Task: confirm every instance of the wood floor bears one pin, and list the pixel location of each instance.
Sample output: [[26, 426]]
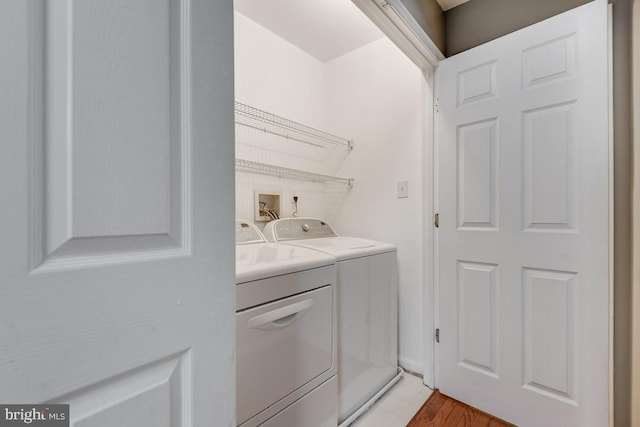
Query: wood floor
[[442, 411]]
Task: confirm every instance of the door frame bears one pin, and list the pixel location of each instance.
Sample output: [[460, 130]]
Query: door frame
[[394, 19], [635, 311]]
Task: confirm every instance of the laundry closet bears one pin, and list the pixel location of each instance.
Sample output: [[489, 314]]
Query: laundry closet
[[330, 123], [372, 97]]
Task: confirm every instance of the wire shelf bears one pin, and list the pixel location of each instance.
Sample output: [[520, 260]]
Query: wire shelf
[[282, 172], [271, 123]]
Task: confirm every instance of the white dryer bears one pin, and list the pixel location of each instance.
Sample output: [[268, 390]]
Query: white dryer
[[367, 309], [285, 332]]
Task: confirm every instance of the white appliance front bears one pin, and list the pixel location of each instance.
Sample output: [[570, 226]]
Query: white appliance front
[[281, 346], [285, 332], [307, 409], [367, 329], [367, 301]]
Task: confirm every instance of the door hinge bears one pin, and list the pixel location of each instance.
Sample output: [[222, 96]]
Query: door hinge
[[438, 335], [436, 105], [436, 220]]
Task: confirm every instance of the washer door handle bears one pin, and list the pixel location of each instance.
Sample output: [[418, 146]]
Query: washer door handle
[[280, 317]]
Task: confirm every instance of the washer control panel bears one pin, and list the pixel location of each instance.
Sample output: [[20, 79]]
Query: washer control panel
[[247, 232], [298, 228]]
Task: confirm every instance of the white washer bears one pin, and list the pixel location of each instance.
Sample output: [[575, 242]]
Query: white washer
[[367, 309], [285, 333]]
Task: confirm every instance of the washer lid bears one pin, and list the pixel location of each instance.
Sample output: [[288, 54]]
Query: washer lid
[[340, 243], [317, 234], [261, 260], [345, 247]]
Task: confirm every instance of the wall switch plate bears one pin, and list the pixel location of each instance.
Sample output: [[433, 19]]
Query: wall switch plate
[[403, 189]]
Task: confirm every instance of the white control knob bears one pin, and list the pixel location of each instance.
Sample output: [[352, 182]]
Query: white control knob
[[305, 227]]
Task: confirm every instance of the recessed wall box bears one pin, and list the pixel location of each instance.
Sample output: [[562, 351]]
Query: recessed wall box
[[267, 205]]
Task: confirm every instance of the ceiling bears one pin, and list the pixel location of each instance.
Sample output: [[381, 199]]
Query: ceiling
[[325, 29], [448, 4]]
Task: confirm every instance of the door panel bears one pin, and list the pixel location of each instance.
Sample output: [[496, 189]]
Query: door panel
[[549, 303], [549, 169], [477, 185], [477, 288], [523, 238], [116, 286], [112, 158]]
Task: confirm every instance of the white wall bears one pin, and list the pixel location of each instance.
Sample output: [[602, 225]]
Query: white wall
[[274, 75], [375, 95]]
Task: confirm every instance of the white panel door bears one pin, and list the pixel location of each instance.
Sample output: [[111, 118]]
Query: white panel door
[[523, 238], [117, 287]]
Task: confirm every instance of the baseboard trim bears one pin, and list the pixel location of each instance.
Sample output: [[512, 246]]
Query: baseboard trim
[[410, 366]]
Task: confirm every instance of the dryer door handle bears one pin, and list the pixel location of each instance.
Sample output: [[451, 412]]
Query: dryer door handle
[[280, 317]]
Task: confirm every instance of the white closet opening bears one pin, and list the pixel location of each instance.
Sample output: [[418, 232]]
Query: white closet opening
[[325, 65]]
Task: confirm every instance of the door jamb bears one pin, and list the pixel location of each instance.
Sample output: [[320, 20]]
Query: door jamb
[[611, 213], [433, 277], [635, 263]]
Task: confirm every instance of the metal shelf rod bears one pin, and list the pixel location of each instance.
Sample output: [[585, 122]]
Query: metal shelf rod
[[265, 121], [289, 173]]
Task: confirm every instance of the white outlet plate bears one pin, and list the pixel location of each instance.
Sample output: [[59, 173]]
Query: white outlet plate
[[403, 189]]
